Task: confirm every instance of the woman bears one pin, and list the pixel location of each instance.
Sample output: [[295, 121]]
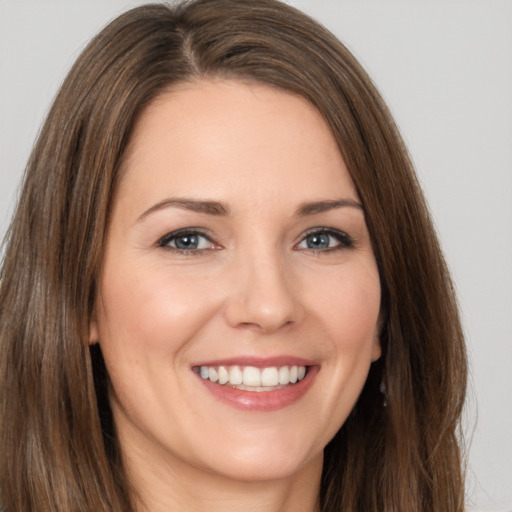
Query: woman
[[222, 287]]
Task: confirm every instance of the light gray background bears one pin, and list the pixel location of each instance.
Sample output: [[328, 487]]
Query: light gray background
[[445, 68]]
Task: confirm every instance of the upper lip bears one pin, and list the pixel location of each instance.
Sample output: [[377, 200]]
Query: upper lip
[[259, 362]]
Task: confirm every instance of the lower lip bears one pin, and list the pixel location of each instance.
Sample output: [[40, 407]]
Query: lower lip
[[262, 400]]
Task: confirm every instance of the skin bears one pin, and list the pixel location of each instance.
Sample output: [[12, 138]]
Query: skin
[[255, 286]]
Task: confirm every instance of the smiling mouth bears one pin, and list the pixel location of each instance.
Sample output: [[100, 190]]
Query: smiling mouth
[[252, 378]]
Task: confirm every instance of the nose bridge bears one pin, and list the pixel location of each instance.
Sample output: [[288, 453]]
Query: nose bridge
[[262, 287]]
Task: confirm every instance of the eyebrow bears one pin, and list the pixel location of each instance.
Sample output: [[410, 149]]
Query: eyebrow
[[324, 206], [207, 207], [219, 209]]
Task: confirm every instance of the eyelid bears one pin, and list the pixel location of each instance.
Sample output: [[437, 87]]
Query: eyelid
[[163, 241], [344, 239]]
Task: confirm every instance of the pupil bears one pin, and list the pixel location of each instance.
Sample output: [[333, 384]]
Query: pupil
[[187, 242], [318, 241]]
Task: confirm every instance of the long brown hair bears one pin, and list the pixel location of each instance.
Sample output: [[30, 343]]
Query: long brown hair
[[399, 450]]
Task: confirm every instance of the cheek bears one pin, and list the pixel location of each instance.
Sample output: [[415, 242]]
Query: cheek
[[146, 319], [152, 310], [349, 304]]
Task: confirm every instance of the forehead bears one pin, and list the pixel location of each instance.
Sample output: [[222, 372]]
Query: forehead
[[225, 136]]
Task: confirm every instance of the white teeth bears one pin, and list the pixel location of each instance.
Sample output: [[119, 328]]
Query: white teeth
[[269, 377], [223, 375], [235, 376], [293, 374], [212, 374], [284, 375], [252, 378]]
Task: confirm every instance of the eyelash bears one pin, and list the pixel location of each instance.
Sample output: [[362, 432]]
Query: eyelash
[[182, 233], [343, 239]]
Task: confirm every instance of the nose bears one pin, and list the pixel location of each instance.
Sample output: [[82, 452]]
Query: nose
[[264, 295]]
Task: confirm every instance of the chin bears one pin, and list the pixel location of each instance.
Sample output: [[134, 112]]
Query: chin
[[271, 462]]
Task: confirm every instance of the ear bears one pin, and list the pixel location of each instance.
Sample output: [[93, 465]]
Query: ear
[[377, 348], [94, 334]]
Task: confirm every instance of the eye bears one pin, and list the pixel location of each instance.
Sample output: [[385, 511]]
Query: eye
[[323, 239], [186, 240]]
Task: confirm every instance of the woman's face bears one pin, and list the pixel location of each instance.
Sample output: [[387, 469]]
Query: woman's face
[[237, 261]]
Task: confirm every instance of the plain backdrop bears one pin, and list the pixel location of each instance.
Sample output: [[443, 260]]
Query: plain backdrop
[[445, 68]]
